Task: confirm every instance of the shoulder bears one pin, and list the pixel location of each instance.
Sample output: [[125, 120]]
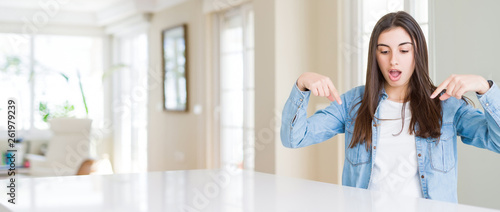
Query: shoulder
[[355, 92], [453, 103], [453, 108], [352, 97]]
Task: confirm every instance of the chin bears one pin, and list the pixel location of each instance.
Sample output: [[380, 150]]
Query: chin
[[396, 84]]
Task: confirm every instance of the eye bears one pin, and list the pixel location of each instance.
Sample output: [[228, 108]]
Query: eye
[[405, 51], [384, 52]]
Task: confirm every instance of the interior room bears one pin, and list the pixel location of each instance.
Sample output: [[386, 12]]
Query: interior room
[[134, 88]]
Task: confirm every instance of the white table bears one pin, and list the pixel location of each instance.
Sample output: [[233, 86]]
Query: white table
[[205, 190]]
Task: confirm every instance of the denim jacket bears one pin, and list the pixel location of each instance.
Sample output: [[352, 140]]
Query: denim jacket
[[437, 161]]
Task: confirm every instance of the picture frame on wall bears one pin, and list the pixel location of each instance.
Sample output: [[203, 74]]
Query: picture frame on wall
[[175, 68]]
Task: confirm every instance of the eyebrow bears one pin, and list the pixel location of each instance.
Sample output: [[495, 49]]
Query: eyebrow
[[404, 43]]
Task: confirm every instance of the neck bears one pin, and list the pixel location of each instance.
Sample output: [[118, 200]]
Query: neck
[[396, 94]]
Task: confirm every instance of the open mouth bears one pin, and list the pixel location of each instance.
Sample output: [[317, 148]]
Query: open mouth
[[394, 74]]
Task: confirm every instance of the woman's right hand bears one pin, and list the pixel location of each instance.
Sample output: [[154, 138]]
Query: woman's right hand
[[319, 85]]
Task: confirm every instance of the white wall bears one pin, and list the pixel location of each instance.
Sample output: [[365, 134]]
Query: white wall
[[293, 37], [265, 79], [296, 33], [467, 42], [176, 140], [330, 154]]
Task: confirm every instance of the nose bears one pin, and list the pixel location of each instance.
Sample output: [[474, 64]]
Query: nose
[[394, 59]]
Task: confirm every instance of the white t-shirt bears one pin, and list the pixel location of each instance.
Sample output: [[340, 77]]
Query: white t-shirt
[[395, 169]]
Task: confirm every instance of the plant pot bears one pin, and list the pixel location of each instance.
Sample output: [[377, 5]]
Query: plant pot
[[70, 125]]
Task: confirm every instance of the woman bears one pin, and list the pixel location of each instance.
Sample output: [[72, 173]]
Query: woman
[[399, 137]]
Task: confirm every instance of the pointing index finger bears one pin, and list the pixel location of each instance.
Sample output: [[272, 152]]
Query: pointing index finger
[[440, 88], [334, 93]]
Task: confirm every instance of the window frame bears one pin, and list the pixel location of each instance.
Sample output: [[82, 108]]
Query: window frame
[[217, 23], [32, 132]]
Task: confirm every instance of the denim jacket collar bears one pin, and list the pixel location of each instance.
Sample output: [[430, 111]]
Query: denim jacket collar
[[383, 94]]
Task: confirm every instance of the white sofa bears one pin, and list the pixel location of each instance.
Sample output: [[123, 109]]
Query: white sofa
[[68, 147]]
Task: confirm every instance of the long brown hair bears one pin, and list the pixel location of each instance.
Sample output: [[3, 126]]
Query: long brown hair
[[426, 112]]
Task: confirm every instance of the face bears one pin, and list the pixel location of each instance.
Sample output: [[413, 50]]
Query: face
[[395, 51]]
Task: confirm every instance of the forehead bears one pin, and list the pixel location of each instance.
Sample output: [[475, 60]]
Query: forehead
[[394, 36]]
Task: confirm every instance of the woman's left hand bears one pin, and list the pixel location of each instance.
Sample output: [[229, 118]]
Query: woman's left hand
[[458, 85]]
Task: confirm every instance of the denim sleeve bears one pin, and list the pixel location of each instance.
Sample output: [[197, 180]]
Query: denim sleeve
[[299, 131], [481, 129]]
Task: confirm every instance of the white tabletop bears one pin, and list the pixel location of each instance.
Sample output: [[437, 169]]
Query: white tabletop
[[205, 190]]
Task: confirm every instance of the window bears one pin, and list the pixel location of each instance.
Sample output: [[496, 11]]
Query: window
[[15, 63], [129, 103], [236, 76], [49, 69]]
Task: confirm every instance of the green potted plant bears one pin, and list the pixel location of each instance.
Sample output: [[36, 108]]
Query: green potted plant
[[64, 110]]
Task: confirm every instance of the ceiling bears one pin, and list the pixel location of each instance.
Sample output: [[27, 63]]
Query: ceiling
[[68, 5], [74, 13]]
